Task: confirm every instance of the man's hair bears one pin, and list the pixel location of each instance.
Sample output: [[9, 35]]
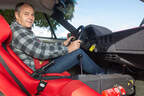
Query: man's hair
[[19, 5]]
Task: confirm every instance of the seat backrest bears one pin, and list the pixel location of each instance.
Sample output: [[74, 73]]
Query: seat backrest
[[11, 62], [5, 30], [6, 37]]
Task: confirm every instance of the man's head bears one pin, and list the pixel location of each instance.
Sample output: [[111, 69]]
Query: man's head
[[24, 14]]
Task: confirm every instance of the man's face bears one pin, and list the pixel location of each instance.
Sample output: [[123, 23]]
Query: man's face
[[25, 16]]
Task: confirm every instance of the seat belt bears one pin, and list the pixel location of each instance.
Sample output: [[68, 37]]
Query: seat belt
[[41, 86], [14, 77], [59, 17]]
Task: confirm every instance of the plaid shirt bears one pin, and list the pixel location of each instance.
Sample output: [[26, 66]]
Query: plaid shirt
[[27, 47]]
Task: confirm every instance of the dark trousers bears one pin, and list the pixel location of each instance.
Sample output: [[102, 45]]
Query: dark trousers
[[70, 60]]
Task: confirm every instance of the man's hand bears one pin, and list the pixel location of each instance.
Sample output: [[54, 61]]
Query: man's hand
[[67, 42], [74, 46]]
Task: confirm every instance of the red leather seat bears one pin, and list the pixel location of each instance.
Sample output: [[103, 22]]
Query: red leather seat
[[9, 87]]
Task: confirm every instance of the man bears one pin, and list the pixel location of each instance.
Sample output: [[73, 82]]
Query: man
[[27, 47]]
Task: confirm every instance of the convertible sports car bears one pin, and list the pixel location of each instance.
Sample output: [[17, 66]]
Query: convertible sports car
[[123, 50]]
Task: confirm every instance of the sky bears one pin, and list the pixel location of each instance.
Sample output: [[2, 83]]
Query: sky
[[113, 14]]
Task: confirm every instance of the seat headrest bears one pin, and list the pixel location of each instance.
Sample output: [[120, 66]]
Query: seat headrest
[[5, 30]]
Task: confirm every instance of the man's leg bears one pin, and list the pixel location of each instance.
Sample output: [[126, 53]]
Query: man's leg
[[70, 60]]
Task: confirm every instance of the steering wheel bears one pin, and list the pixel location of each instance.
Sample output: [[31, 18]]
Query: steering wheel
[[85, 44], [80, 31], [79, 36], [82, 36]]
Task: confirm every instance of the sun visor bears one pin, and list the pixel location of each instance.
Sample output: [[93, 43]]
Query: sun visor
[[45, 6], [49, 4]]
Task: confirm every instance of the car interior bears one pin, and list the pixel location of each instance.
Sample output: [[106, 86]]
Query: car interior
[[120, 52]]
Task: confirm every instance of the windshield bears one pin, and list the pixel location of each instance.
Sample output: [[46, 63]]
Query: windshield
[[113, 14]]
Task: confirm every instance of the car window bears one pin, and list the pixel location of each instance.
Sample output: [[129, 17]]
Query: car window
[[61, 33]]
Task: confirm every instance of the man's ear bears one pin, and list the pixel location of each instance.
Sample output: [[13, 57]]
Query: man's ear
[[16, 15]]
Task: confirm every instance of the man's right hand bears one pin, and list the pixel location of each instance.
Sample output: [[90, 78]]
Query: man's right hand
[[68, 41], [74, 46]]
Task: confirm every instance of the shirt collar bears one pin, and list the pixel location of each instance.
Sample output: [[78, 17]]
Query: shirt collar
[[16, 23]]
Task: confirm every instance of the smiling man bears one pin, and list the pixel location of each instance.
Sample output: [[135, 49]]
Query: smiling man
[[27, 46], [25, 15]]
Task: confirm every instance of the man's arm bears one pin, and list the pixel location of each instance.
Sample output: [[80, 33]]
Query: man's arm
[[26, 42]]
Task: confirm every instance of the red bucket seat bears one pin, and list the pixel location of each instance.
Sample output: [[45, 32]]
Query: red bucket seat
[[9, 85]]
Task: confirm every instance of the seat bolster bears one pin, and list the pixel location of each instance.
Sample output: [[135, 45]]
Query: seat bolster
[[5, 30]]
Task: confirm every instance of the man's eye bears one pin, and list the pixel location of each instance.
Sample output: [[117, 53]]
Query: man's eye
[[26, 14], [32, 14]]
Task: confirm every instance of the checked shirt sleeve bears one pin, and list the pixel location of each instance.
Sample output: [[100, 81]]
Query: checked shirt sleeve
[[25, 40]]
